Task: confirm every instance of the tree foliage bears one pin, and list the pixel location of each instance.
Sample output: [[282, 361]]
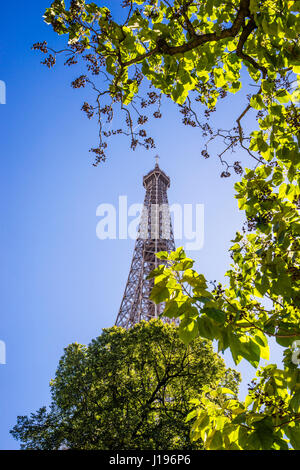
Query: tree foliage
[[128, 389], [238, 319], [193, 52], [190, 51]]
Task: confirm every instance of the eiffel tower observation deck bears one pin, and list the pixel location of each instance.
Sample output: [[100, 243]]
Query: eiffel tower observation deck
[[155, 234]]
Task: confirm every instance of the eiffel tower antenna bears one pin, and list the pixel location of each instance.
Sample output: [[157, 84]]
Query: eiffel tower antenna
[[155, 234]]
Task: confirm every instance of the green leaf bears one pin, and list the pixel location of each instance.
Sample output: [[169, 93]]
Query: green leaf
[[227, 390], [293, 433], [215, 313], [263, 436], [287, 333], [235, 87], [194, 279], [188, 330], [177, 255], [179, 93], [206, 328], [257, 102], [283, 96], [267, 86], [220, 79], [164, 255], [156, 272], [187, 263], [244, 347], [171, 309], [295, 402], [159, 294]]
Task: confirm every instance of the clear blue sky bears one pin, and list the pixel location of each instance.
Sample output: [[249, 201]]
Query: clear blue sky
[[60, 283]]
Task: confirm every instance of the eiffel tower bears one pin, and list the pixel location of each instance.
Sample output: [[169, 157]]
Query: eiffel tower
[[155, 234]]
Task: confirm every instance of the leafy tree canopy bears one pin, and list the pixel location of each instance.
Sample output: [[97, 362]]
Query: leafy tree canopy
[[238, 319], [193, 52], [190, 51], [129, 389]]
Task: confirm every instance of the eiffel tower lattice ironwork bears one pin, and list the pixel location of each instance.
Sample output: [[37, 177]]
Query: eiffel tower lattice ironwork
[[155, 234]]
